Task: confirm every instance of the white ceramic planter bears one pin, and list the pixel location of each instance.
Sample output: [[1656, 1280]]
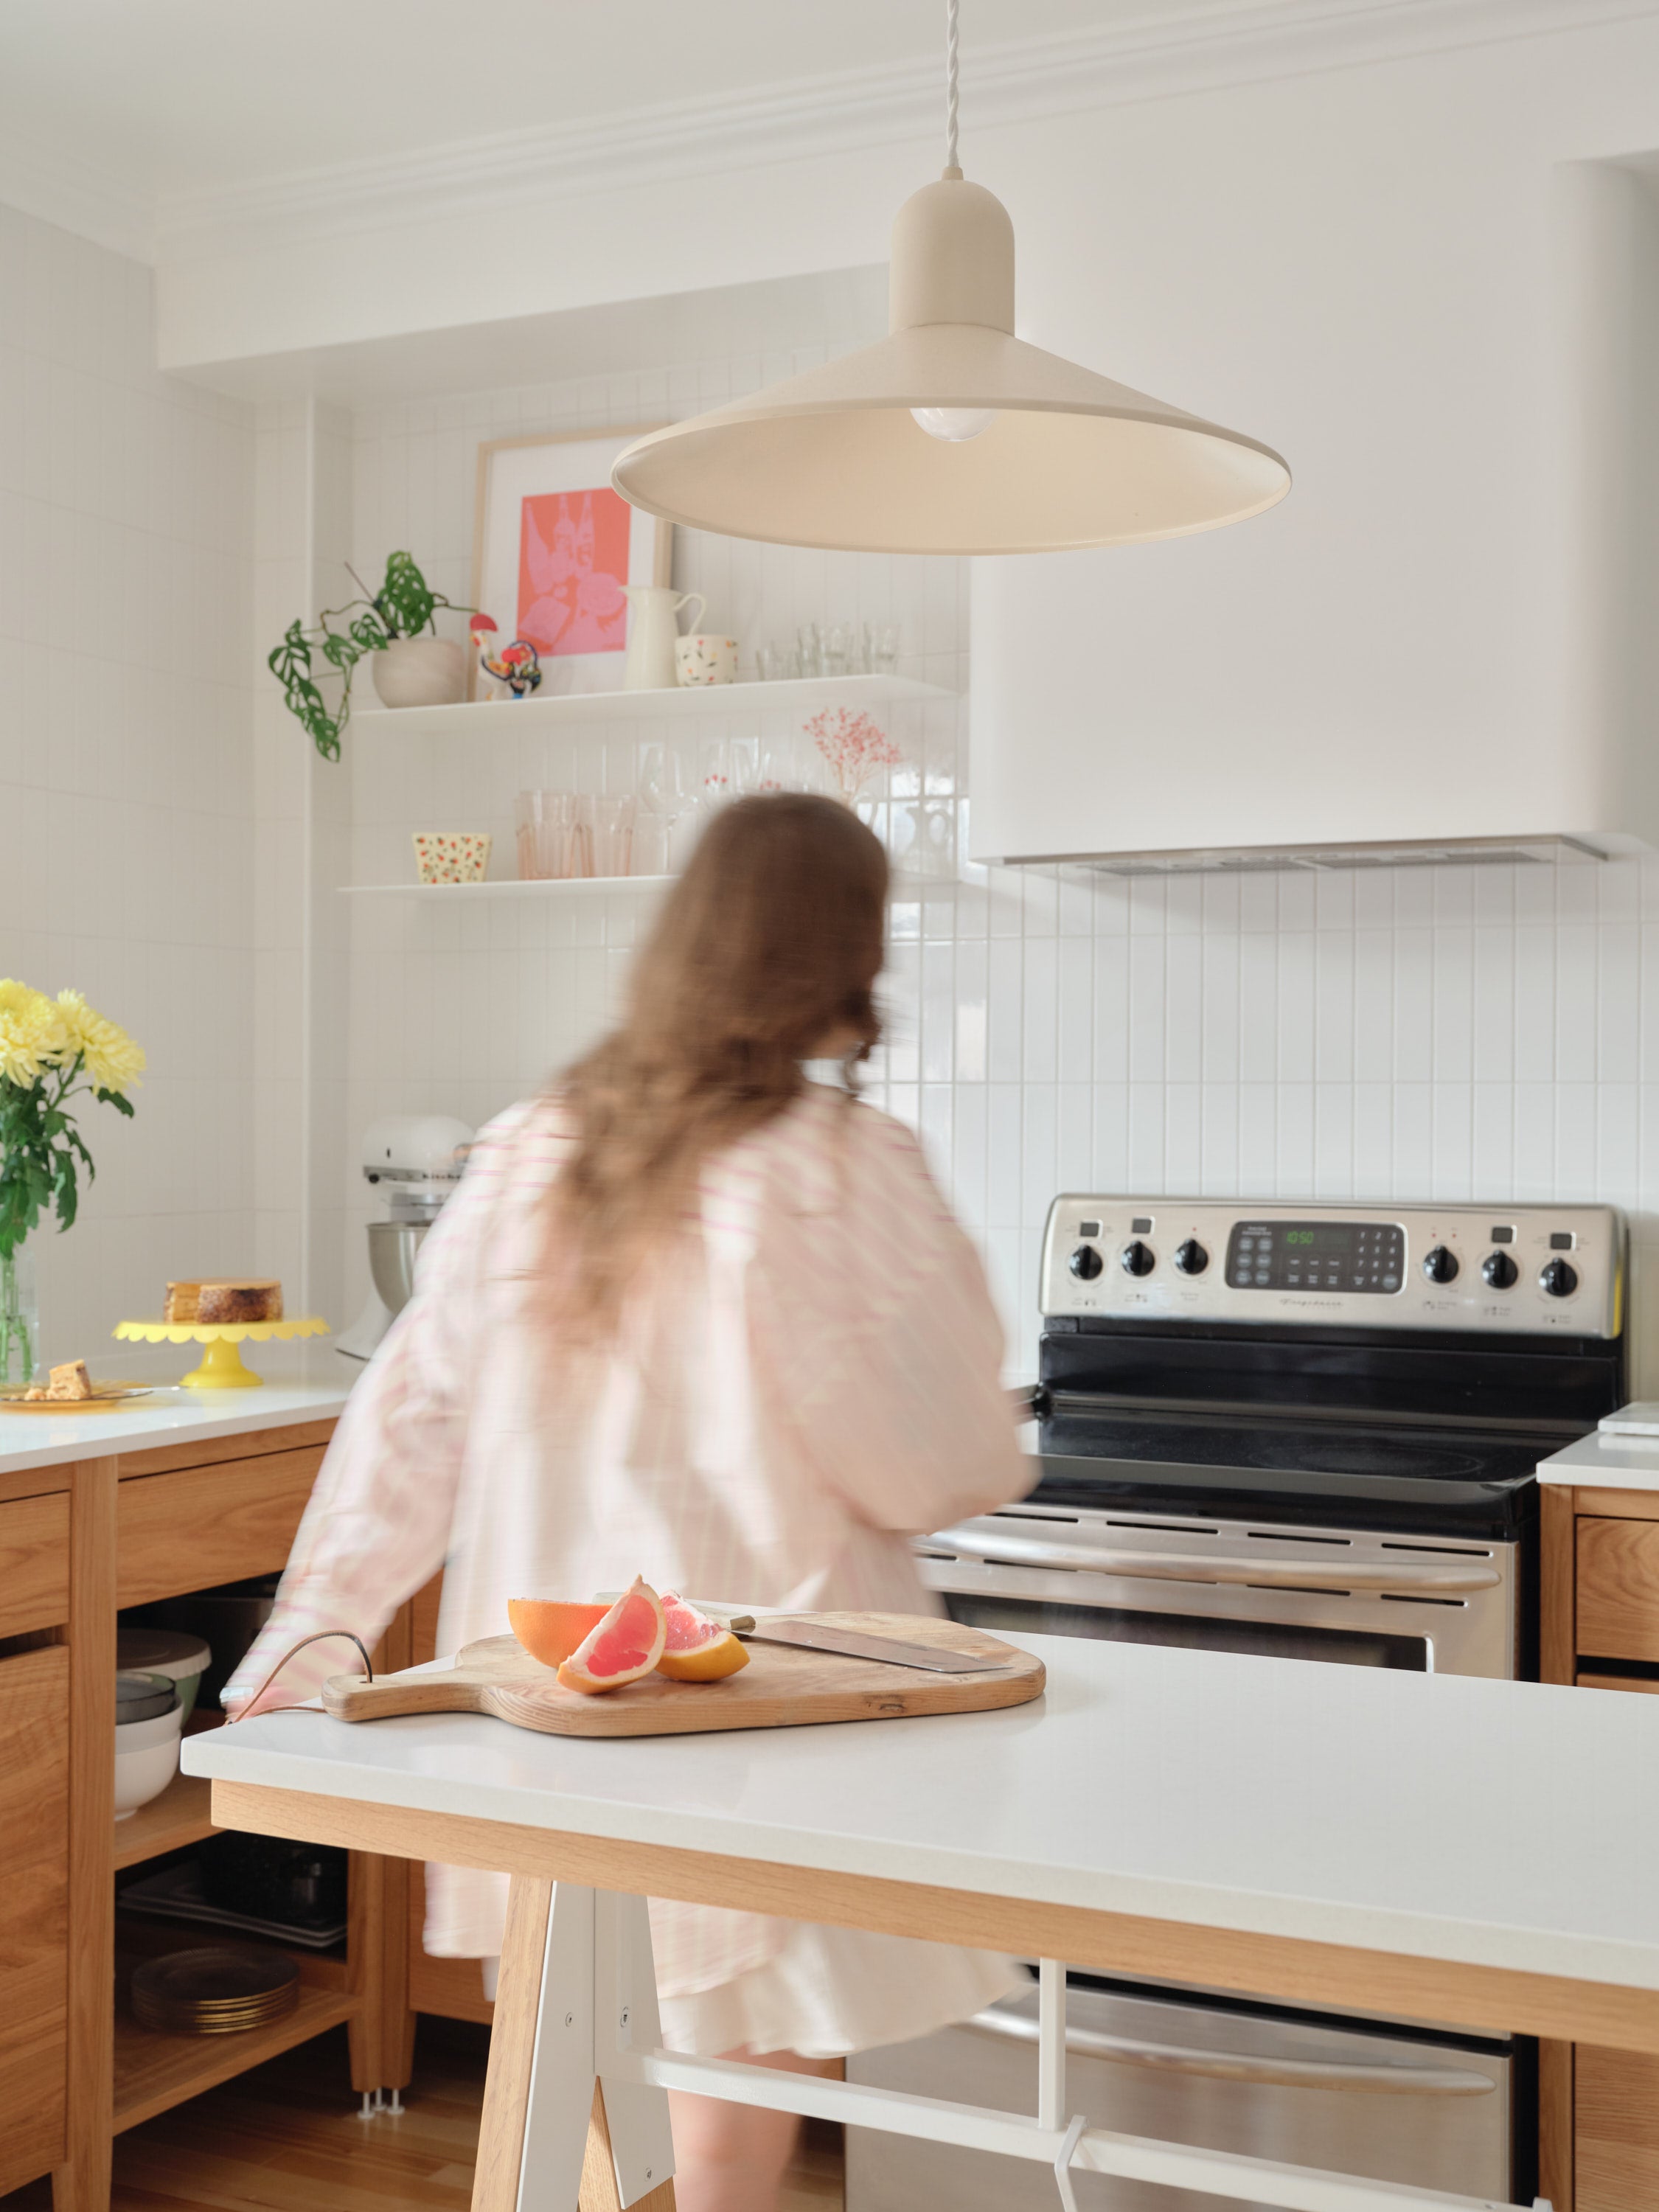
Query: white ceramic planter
[[146, 1760], [420, 671]]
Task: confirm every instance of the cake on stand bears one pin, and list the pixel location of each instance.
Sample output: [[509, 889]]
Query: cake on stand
[[222, 1367]]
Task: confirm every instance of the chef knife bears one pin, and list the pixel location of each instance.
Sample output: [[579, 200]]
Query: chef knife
[[855, 1644]]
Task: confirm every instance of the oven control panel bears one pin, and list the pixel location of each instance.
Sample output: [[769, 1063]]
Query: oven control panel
[[1520, 1269]]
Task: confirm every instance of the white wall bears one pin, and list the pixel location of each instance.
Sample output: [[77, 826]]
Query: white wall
[[126, 791], [1464, 1034]]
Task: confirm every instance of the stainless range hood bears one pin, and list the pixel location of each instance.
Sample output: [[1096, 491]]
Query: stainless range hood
[[1261, 860]]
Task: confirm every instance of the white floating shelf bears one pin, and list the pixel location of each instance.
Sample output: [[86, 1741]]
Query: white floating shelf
[[902, 886], [505, 717], [555, 887]]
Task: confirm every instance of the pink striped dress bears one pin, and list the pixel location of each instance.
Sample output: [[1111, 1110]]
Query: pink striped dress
[[791, 1393]]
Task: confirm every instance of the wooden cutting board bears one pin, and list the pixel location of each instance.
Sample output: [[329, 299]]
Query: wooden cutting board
[[782, 1686]]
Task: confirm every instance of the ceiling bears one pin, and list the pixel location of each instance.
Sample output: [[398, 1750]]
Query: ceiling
[[188, 96]]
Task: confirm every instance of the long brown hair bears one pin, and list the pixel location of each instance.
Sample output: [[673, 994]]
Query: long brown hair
[[769, 944]]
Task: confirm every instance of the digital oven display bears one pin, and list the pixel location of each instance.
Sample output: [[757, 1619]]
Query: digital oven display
[[1353, 1257]]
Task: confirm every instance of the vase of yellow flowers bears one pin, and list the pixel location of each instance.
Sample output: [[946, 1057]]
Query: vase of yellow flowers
[[52, 1052]]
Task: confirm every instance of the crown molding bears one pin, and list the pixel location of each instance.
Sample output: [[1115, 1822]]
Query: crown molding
[[59, 187], [1188, 46], [1180, 47]]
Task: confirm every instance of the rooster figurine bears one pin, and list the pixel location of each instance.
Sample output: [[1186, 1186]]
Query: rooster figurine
[[512, 673]]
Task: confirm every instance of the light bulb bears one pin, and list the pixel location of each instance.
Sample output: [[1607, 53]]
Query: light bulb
[[955, 425]]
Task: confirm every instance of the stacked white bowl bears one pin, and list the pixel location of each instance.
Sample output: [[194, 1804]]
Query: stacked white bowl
[[149, 1718]]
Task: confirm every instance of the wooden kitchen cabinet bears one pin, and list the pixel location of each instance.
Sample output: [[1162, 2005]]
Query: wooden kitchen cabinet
[[77, 1544], [1599, 2110]]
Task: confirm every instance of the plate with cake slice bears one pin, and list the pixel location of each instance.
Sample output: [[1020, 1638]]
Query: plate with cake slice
[[67, 1390]]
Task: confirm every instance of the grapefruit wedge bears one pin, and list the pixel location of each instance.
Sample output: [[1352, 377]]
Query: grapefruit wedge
[[697, 1649], [625, 1644], [549, 1629]]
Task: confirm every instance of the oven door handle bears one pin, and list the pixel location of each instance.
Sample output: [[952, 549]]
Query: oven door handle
[[1410, 1578], [1362, 2076]]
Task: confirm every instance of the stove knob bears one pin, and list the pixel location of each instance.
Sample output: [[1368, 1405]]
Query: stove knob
[[1498, 1270], [1138, 1259], [1557, 1279], [1440, 1266], [1085, 1263], [1191, 1257]]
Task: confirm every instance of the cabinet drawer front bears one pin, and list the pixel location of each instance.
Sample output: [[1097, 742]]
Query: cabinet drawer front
[[1618, 1579], [33, 1563], [1616, 2099], [33, 1910], [203, 1525]]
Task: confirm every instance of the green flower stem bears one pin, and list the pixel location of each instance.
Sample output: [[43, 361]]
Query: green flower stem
[[14, 1325]]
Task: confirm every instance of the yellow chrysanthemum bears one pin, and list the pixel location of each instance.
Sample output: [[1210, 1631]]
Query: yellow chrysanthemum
[[112, 1060], [33, 1034]]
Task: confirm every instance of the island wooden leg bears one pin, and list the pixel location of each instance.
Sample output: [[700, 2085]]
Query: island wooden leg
[[513, 2045]]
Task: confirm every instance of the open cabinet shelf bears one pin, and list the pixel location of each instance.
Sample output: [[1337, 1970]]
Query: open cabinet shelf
[[179, 1816], [154, 2072]]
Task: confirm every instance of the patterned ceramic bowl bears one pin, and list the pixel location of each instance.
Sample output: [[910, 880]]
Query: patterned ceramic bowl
[[451, 856]]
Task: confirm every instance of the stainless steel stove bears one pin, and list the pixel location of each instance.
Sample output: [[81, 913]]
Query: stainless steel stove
[[1289, 1431]]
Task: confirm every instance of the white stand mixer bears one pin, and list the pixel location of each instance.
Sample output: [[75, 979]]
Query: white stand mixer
[[415, 1161]]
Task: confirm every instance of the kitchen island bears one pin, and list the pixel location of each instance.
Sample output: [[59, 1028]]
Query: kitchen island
[[156, 1498], [1332, 1835]]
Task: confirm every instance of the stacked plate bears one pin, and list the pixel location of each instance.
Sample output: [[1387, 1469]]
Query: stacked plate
[[223, 1989]]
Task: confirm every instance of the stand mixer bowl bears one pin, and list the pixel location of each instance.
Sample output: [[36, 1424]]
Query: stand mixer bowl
[[392, 1246]]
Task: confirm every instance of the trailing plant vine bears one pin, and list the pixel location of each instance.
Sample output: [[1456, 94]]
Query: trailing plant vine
[[404, 605]]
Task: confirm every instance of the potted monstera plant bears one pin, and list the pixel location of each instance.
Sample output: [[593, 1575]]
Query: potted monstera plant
[[412, 665]]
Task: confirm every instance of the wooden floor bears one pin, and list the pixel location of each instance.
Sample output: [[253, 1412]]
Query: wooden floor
[[285, 2137]]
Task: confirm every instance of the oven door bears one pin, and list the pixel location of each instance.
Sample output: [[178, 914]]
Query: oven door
[[1355, 1596], [1391, 2105]]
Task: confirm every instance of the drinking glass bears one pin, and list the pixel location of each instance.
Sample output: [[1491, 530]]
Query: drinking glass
[[837, 650], [612, 835], [546, 822], [744, 755], [881, 648], [667, 809], [810, 643]]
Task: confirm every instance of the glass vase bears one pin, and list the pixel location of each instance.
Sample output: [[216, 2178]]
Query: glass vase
[[20, 1317]]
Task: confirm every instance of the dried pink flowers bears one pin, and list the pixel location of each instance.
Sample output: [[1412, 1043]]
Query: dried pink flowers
[[853, 746]]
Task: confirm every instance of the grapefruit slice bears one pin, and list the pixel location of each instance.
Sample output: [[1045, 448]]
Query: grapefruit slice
[[627, 1643], [549, 1629], [697, 1649]]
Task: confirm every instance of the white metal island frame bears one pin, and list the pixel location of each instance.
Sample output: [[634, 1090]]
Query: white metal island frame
[[1459, 1850]]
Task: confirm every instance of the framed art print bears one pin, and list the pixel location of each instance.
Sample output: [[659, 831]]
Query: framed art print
[[553, 548]]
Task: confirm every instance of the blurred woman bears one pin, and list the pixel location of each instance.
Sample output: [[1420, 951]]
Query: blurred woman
[[692, 1317]]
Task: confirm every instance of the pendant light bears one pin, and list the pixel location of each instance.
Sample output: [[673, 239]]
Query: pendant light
[[950, 434]]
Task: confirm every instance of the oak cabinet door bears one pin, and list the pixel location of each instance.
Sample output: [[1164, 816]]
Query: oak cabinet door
[[33, 1908], [1616, 2101]]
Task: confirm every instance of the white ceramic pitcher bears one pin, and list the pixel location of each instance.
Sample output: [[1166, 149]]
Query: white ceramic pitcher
[[653, 628]]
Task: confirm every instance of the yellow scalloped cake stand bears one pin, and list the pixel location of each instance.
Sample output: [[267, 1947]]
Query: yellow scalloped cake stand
[[221, 1369]]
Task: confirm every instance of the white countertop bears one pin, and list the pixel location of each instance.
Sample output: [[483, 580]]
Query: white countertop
[[1492, 1823], [1602, 1460], [168, 1415]]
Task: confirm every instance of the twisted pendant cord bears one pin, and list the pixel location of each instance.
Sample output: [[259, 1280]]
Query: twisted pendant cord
[[951, 84]]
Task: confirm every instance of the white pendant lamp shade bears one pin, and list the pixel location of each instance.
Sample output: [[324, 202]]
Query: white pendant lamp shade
[[950, 435]]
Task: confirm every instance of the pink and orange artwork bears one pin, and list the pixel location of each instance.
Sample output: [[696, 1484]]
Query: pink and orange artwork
[[572, 565]]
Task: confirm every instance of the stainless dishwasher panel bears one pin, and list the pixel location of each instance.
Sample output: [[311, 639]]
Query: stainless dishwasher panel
[[1425, 2111]]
